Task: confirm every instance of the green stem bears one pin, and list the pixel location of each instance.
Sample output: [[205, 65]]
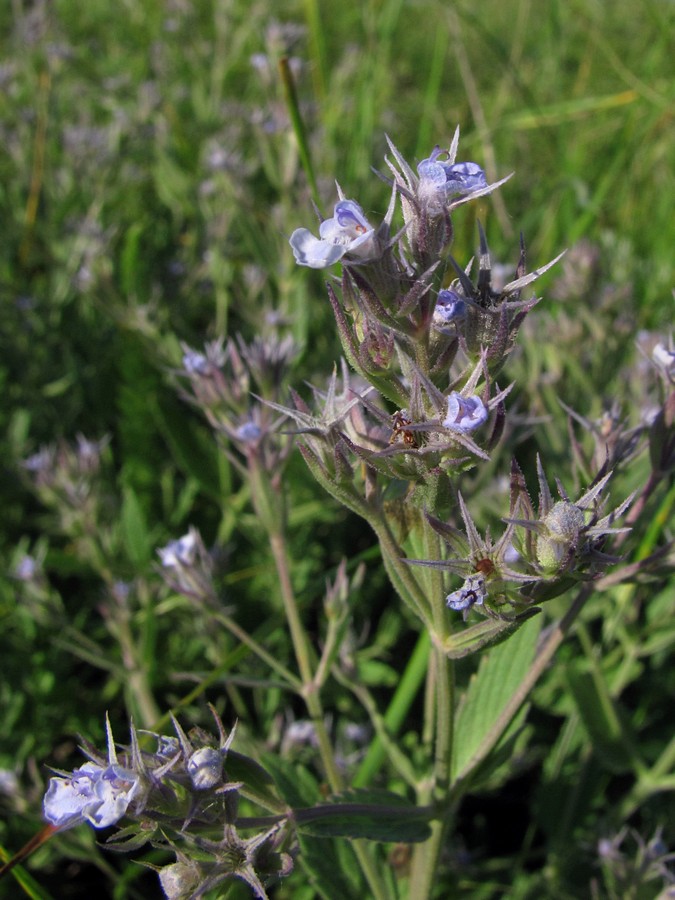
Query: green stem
[[439, 718], [425, 858], [313, 701], [303, 657], [260, 651], [137, 689], [399, 572], [399, 761], [397, 710], [665, 763], [293, 107], [316, 29]]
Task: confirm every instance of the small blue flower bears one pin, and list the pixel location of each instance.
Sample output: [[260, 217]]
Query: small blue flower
[[347, 232], [27, 569], [472, 593], [115, 790], [182, 552], [444, 179], [248, 433], [92, 794], [195, 363], [69, 799], [664, 359], [465, 414], [42, 461], [449, 308]]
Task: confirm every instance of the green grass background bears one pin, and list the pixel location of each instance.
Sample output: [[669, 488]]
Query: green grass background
[[149, 179]]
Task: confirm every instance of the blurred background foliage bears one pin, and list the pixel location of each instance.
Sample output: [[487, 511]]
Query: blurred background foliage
[[149, 179]]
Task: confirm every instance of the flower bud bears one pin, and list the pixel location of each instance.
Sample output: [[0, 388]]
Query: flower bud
[[205, 768], [562, 527], [179, 880]]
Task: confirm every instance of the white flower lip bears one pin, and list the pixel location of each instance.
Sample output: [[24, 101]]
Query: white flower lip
[[91, 793], [181, 552], [346, 232]]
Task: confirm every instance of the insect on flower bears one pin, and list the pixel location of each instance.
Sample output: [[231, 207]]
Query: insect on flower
[[399, 429]]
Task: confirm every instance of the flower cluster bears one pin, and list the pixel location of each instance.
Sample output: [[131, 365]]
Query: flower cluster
[[429, 351], [220, 381], [427, 340], [65, 471], [539, 555], [159, 794]]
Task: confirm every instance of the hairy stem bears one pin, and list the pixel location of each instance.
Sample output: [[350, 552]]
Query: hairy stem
[[312, 700]]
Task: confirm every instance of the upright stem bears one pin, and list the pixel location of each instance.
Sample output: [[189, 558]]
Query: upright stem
[[312, 700], [425, 858], [399, 571], [303, 658]]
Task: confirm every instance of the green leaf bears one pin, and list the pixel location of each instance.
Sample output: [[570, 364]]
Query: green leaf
[[373, 815], [498, 677], [332, 867], [611, 743], [134, 529], [375, 673], [296, 784], [25, 880], [131, 258], [485, 634], [258, 783]]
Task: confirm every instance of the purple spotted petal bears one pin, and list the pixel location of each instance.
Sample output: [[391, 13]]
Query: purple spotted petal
[[69, 799], [115, 790], [471, 593]]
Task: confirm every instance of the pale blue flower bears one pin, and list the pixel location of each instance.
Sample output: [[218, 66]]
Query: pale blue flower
[[70, 798], [115, 790], [449, 308], [9, 783], [182, 552], [248, 433], [195, 363], [27, 569], [42, 461], [664, 359], [446, 179], [465, 413], [472, 593], [347, 232], [91, 793]]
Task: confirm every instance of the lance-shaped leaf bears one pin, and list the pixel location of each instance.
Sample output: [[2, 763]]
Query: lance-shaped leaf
[[257, 783], [497, 679], [373, 815], [485, 634]]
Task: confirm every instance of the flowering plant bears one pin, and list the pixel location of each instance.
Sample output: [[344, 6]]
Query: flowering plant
[[413, 413]]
